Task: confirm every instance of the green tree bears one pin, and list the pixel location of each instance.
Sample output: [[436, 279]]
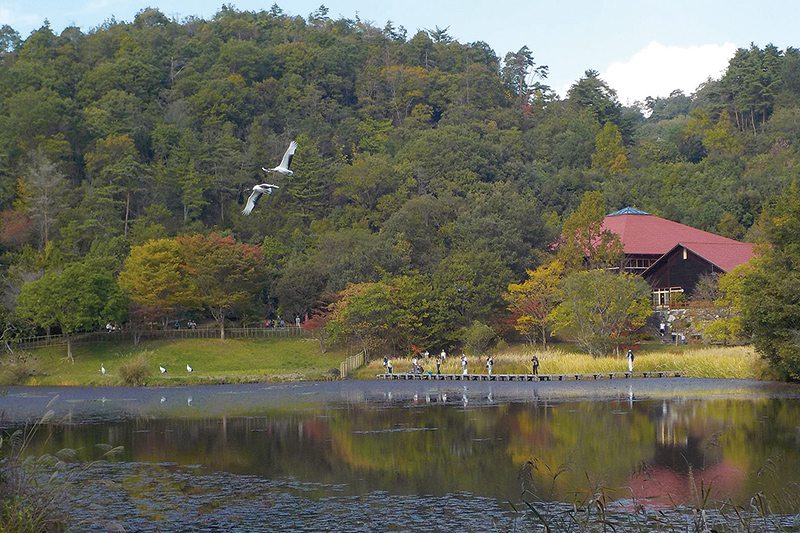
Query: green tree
[[81, 297], [115, 170], [593, 94], [609, 155], [751, 84], [599, 308], [9, 39], [518, 67], [364, 313], [720, 140], [716, 306], [477, 337], [771, 293], [467, 287]]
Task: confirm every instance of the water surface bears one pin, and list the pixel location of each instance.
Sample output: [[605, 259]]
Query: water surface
[[414, 456]]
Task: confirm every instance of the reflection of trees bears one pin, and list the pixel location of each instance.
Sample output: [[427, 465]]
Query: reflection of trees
[[579, 441], [434, 448], [737, 447]]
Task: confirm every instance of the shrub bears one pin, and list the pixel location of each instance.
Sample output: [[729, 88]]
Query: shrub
[[135, 371]]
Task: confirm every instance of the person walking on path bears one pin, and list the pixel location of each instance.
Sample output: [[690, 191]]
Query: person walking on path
[[630, 360], [535, 363], [438, 365], [463, 364], [389, 365], [489, 365]]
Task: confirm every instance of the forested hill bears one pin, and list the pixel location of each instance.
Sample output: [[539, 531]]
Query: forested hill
[[417, 154]]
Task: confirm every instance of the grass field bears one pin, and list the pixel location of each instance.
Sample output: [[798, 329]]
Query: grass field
[[262, 360], [212, 360]]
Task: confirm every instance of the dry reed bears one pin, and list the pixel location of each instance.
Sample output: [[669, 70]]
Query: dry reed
[[732, 362]]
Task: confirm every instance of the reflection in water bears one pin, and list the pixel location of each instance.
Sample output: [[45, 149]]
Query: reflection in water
[[438, 442], [654, 448]]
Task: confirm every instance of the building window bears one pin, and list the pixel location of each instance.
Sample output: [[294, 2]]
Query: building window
[[635, 263], [668, 298]]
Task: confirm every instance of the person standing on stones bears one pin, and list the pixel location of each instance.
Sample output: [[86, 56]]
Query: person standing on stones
[[535, 363], [463, 364], [489, 364], [630, 360]]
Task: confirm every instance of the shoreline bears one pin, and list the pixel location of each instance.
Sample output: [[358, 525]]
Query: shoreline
[[84, 404]]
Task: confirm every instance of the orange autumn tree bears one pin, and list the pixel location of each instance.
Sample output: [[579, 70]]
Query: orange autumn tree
[[158, 281], [227, 275]]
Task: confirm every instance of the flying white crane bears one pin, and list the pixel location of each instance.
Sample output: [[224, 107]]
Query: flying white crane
[[258, 190], [266, 188], [283, 168]]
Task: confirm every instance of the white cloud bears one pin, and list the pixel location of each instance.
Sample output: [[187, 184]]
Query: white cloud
[[658, 70]]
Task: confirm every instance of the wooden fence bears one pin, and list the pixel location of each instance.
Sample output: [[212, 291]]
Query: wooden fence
[[157, 334], [351, 363]]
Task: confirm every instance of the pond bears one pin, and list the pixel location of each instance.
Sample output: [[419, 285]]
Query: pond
[[419, 456]]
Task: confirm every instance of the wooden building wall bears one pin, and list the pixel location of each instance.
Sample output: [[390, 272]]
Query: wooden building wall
[[675, 271]]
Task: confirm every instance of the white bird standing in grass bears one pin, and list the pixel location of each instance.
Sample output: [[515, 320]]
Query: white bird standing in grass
[[283, 168], [103, 369], [188, 368], [258, 190], [162, 369]]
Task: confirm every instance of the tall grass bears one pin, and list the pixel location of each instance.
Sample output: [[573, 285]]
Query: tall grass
[[599, 508], [710, 362], [33, 489], [703, 362], [134, 371]]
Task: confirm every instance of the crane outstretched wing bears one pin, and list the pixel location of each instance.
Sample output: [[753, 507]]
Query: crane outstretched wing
[[287, 157], [251, 202]]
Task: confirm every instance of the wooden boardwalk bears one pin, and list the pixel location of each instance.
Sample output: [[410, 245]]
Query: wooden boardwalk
[[532, 377]]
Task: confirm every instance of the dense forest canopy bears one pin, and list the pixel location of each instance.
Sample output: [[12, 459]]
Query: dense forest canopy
[[436, 170]]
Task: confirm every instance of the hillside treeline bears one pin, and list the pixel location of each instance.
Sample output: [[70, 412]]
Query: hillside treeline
[[423, 163]]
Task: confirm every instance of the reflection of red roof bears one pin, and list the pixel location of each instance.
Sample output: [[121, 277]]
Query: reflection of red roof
[[662, 487], [645, 234]]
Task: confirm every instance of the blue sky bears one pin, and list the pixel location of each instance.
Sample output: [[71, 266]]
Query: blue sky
[[640, 48]]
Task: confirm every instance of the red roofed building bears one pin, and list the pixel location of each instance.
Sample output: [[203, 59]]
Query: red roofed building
[[670, 256]]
